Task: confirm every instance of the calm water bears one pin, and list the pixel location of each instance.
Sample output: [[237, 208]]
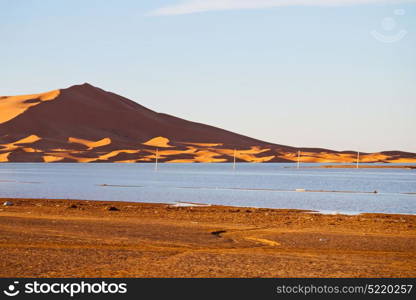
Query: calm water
[[255, 185]]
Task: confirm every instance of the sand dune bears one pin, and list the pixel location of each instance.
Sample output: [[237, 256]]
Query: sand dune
[[327, 157], [4, 157], [115, 153], [205, 156], [321, 157], [15, 145], [62, 156], [7, 149], [52, 158], [201, 153], [209, 155], [126, 161], [181, 161], [159, 141], [31, 150], [249, 155], [90, 144], [83, 123], [203, 144], [402, 160], [373, 157], [13, 106]]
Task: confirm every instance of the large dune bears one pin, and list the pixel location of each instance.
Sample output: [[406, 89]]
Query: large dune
[[86, 124], [12, 106]]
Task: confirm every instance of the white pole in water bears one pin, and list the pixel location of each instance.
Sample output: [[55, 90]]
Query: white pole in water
[[234, 159], [298, 158], [157, 156], [358, 159]]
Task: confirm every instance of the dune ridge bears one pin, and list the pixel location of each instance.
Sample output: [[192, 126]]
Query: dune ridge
[[84, 123], [12, 106], [90, 144]]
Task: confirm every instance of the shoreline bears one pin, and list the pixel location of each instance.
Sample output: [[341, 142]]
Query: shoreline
[[200, 204], [85, 238]]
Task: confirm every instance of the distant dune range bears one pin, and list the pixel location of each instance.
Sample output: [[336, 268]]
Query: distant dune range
[[86, 124]]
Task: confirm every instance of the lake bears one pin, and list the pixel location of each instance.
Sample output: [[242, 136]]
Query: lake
[[270, 185]]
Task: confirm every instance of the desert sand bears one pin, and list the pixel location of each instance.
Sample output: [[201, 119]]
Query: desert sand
[[158, 142], [85, 124], [70, 238], [90, 144], [93, 151], [12, 106]]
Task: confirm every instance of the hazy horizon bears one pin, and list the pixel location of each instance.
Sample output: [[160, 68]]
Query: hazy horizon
[[304, 76]]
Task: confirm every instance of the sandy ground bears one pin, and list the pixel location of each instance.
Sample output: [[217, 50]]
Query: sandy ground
[[69, 238]]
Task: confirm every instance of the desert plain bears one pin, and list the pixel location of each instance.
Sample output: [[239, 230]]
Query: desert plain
[[73, 238]]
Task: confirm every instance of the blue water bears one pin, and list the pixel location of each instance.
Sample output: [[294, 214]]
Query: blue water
[[254, 185]]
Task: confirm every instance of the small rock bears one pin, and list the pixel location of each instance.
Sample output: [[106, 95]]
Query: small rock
[[8, 203], [72, 206], [218, 232], [112, 208]]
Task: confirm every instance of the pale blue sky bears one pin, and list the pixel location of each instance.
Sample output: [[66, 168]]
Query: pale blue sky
[[296, 75]]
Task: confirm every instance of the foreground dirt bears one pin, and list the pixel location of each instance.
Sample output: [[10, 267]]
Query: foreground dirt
[[68, 238]]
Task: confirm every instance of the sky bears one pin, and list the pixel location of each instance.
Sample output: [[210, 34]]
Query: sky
[[337, 74]]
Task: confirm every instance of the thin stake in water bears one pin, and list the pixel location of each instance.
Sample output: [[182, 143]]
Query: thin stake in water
[[358, 159], [157, 156], [298, 159], [234, 159]]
